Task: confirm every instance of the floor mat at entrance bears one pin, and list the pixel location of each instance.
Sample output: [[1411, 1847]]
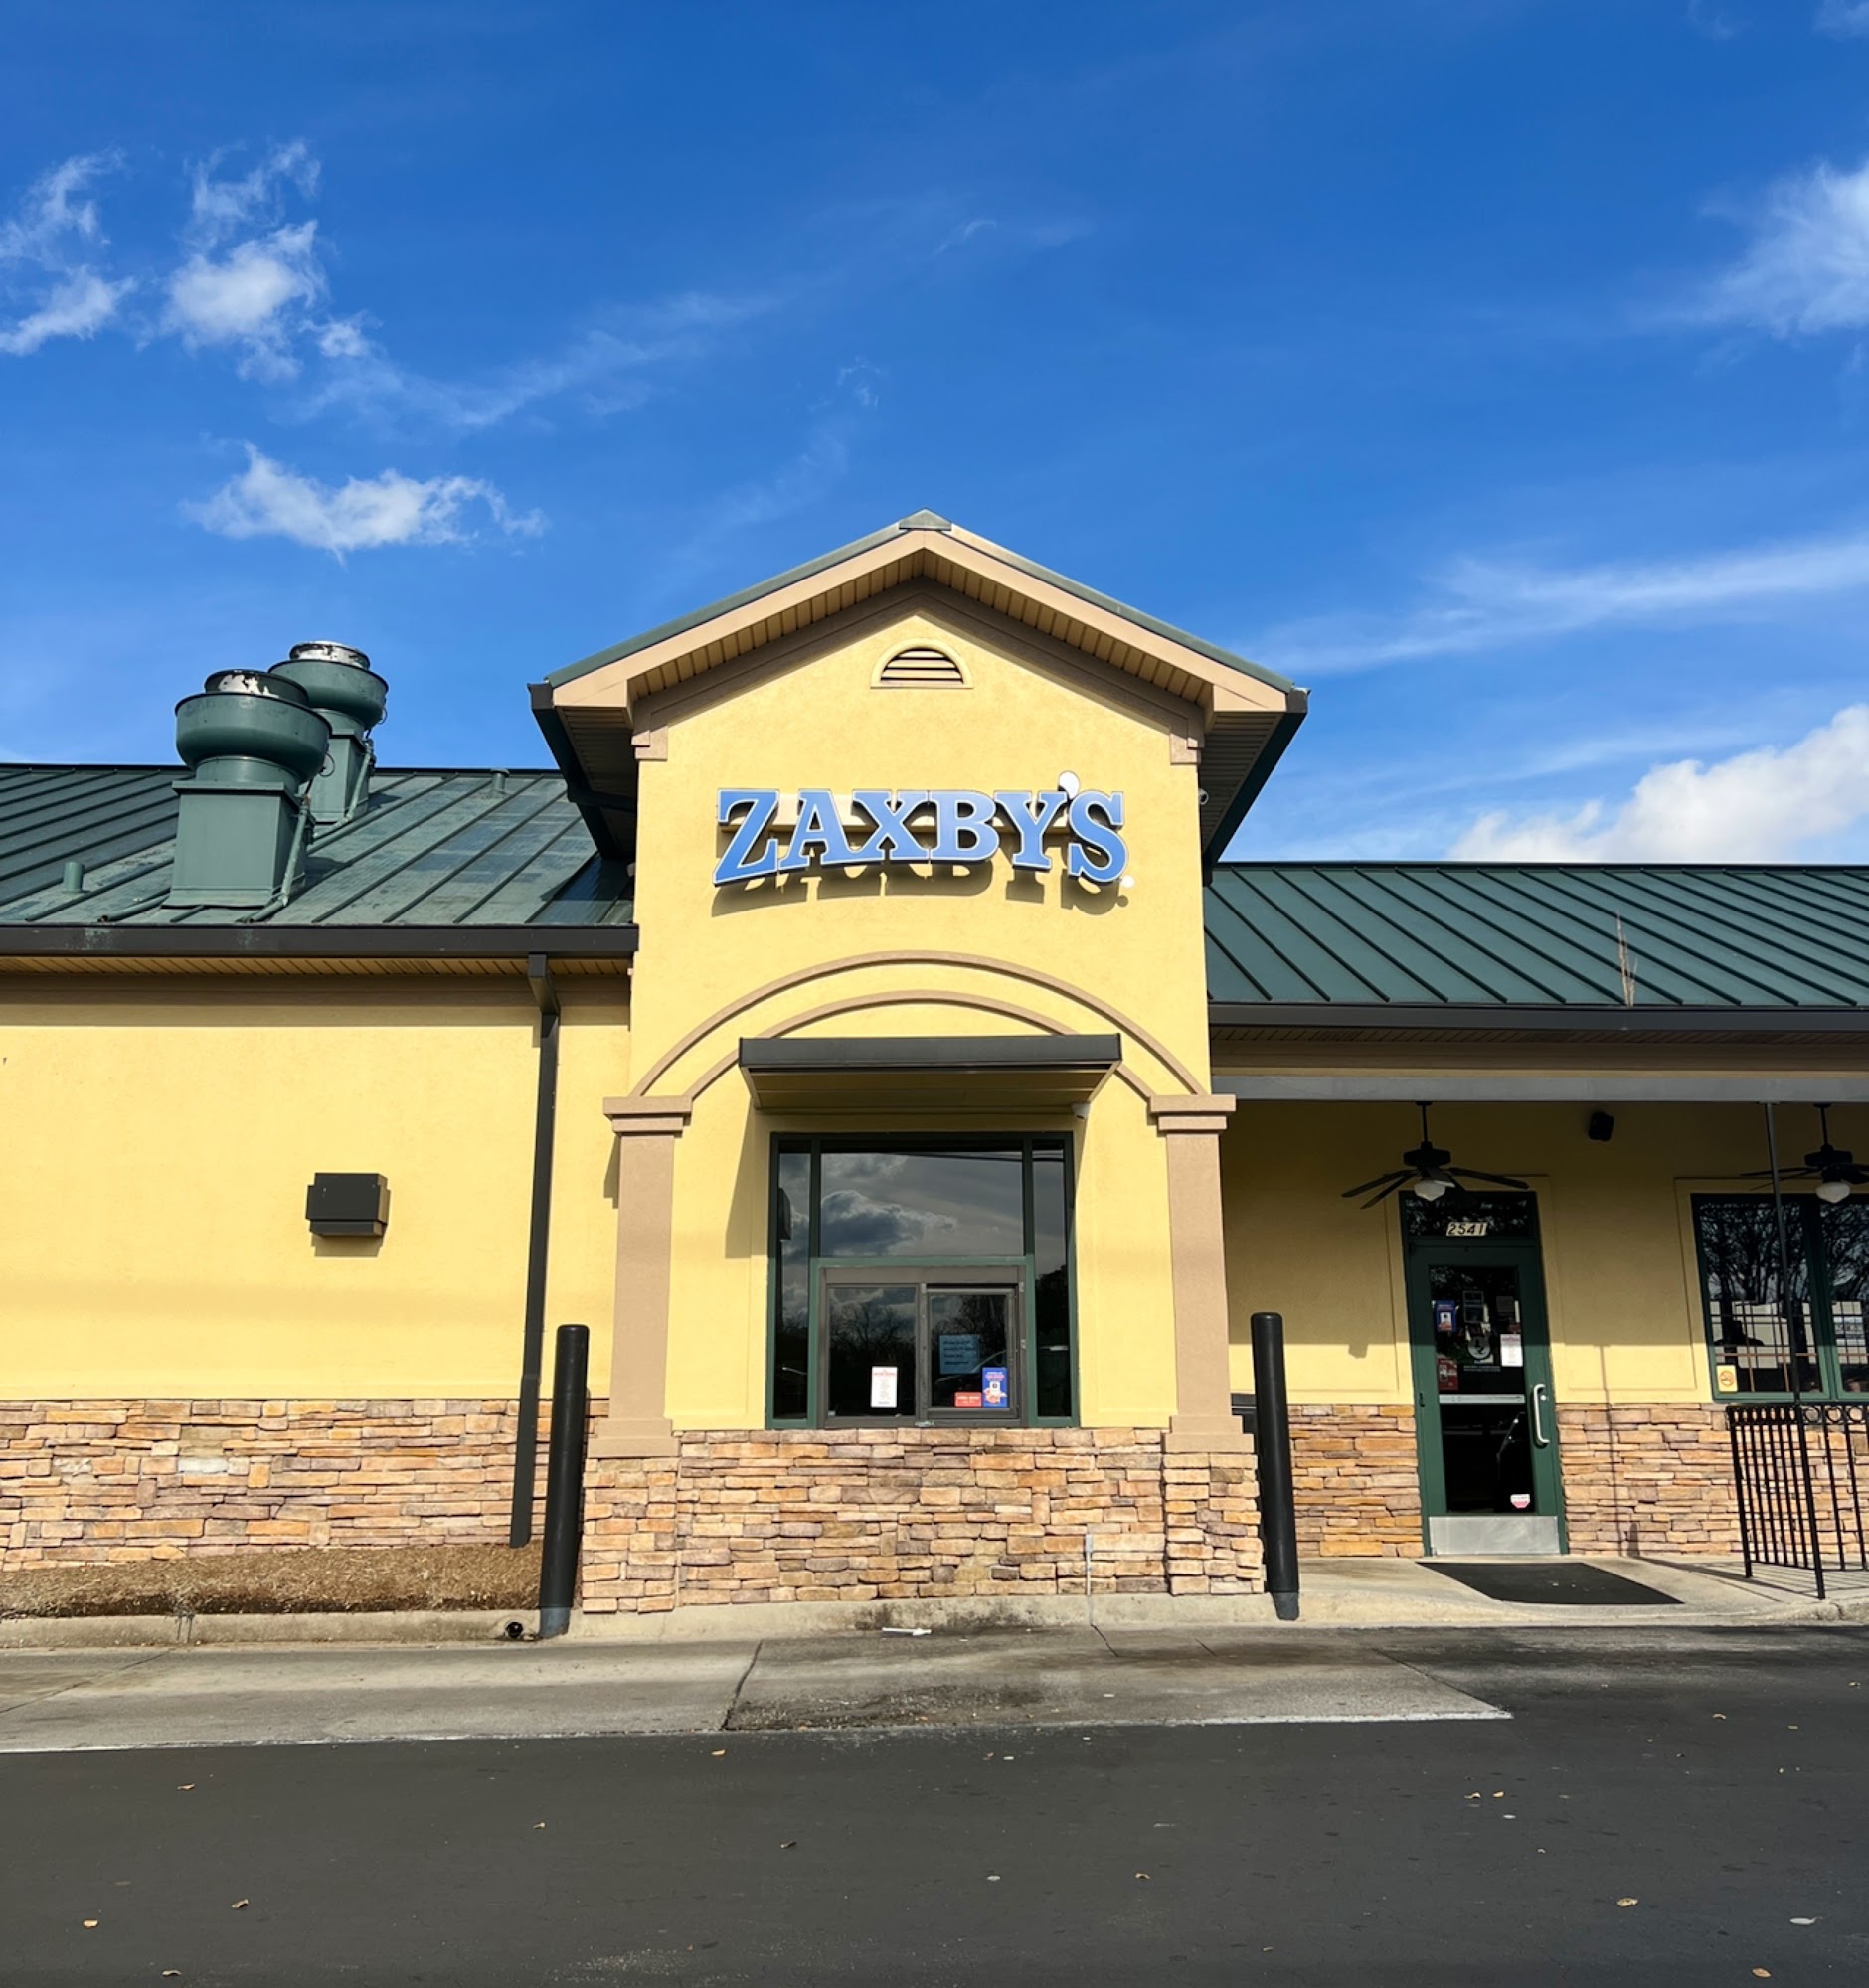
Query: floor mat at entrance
[[1573, 1583]]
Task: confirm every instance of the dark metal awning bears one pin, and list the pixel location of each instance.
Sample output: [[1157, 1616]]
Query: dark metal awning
[[925, 1072]]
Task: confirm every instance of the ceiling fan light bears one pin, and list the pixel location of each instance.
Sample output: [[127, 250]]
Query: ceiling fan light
[[1430, 1189], [1832, 1188]]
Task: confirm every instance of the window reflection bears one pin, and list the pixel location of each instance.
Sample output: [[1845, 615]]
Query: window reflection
[[910, 1204]]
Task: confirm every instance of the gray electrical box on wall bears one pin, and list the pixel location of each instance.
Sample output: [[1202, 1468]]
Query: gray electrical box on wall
[[348, 1203]]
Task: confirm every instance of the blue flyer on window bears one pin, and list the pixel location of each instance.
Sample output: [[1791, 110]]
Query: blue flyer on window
[[994, 1387], [1445, 1314]]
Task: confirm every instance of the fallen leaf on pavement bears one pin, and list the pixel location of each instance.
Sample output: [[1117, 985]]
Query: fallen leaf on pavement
[[91, 1922], [240, 1904], [719, 1753], [1762, 1973], [792, 1845], [184, 1787], [1803, 1923], [1628, 1901], [1144, 1875], [538, 1825]]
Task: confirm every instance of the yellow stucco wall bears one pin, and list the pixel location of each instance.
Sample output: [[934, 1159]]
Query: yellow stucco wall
[[1625, 1322], [944, 953], [159, 1138]]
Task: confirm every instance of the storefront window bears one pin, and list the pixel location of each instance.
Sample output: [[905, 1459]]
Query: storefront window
[[921, 1281], [1762, 1337]]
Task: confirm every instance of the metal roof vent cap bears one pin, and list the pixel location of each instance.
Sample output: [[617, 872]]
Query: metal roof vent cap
[[250, 742], [351, 698]]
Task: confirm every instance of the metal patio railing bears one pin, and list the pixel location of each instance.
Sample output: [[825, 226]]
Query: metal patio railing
[[1800, 1470]]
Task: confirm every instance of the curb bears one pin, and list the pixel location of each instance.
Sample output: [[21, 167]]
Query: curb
[[168, 1632]]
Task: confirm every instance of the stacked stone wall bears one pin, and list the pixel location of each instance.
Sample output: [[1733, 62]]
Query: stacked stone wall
[[1654, 1479], [118, 1480], [1355, 1479], [882, 1514]]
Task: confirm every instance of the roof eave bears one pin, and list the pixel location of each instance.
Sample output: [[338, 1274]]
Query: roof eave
[[409, 942]]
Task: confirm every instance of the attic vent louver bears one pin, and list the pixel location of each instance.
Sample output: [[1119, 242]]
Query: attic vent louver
[[920, 668]]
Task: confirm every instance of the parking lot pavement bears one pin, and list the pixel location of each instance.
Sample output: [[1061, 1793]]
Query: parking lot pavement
[[1675, 1811]]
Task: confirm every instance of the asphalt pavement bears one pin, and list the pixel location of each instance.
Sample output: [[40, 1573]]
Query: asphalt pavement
[[1658, 1808]]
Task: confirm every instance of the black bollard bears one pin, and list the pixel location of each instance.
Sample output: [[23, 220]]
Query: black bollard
[[563, 1481], [1271, 1444]]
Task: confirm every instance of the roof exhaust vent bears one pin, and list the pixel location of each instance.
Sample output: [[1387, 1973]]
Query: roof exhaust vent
[[250, 742], [351, 698]]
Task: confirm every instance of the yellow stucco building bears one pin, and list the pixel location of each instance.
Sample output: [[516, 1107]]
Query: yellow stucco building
[[859, 1028]]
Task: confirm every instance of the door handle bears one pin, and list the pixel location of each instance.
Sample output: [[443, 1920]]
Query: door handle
[[1537, 1416]]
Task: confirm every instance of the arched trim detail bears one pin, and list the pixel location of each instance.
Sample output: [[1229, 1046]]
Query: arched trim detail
[[864, 961], [946, 998]]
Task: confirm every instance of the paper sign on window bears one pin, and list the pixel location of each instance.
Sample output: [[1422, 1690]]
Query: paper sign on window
[[882, 1386]]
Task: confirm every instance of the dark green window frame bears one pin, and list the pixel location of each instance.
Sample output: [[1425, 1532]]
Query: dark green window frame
[[1824, 1325], [813, 1148]]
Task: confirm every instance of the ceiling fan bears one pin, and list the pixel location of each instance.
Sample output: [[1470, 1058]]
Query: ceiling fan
[[1425, 1171], [1835, 1167]]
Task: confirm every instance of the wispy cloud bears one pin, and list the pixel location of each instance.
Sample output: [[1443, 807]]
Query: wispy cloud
[[47, 246], [267, 500], [250, 279], [1805, 268], [605, 368], [1479, 604], [1765, 805], [1843, 17]]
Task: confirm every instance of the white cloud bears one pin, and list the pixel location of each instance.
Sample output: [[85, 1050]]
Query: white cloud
[[1481, 605], [1765, 805], [1806, 267], [44, 263], [78, 307], [247, 298], [1843, 17], [251, 280], [222, 207], [267, 500]]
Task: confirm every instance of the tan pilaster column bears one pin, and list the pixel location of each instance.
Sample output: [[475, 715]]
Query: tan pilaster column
[[646, 1130], [1190, 1128]]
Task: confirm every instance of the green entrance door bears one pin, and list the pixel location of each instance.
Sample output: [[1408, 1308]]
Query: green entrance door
[[1484, 1420]]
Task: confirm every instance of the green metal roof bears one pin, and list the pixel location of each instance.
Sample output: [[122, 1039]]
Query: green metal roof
[[1454, 935], [432, 849], [919, 521]]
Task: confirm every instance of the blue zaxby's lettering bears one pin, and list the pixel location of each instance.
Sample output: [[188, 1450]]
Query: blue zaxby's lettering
[[882, 825]]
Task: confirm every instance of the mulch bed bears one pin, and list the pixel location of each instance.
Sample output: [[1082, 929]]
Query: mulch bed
[[341, 1580]]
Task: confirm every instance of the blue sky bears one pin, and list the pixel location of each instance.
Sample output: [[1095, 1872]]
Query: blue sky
[[1498, 368]]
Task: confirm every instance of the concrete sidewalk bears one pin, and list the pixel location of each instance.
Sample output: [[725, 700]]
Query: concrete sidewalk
[[81, 1701], [1336, 1593]]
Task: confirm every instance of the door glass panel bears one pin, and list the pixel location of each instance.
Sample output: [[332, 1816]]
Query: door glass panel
[[791, 1337], [1744, 1296], [871, 1334], [928, 1204], [1480, 1384], [1845, 1229], [1051, 1292], [969, 1342]]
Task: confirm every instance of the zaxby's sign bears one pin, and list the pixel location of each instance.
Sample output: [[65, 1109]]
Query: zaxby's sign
[[775, 835]]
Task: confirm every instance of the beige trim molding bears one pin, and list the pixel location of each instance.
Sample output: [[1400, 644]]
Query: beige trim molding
[[956, 559], [1198, 1112], [1203, 1418], [862, 962], [637, 1424]]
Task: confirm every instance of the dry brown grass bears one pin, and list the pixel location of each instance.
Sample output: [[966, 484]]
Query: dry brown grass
[[315, 1580]]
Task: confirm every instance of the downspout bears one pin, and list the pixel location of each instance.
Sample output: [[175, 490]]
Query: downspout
[[545, 1118]]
